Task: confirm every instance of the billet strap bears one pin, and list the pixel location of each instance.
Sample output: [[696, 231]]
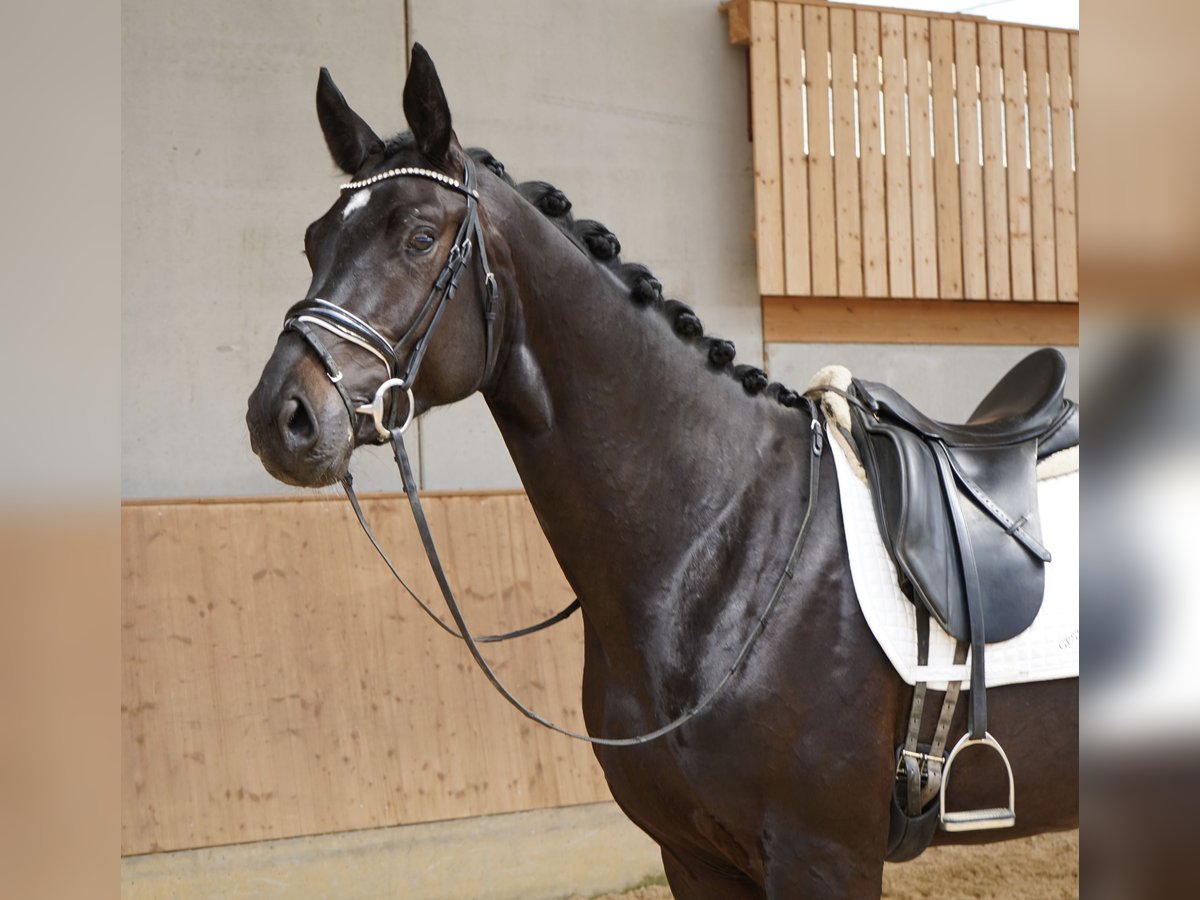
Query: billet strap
[[472, 642]]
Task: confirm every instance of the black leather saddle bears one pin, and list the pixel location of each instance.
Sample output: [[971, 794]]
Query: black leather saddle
[[957, 504], [957, 507]]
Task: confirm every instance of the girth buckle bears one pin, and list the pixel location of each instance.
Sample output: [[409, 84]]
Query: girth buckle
[[375, 407]]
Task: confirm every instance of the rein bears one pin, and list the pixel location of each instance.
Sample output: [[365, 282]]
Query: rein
[[346, 325]]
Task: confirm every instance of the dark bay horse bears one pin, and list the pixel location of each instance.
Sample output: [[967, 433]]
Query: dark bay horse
[[670, 484]]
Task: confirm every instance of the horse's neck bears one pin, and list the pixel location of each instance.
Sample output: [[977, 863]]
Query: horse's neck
[[641, 463]]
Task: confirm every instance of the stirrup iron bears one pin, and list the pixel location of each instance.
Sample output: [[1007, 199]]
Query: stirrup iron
[[977, 819]]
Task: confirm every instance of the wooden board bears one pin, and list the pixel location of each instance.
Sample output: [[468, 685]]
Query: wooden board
[[1065, 233], [764, 102], [945, 161], [1041, 186], [821, 206], [845, 160], [276, 682], [875, 321], [924, 200], [995, 177], [970, 173], [899, 200], [1020, 227], [796, 263], [870, 131], [952, 189]]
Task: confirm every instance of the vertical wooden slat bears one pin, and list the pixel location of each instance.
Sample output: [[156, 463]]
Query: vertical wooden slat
[[1067, 253], [764, 99], [970, 170], [1020, 231], [945, 165], [823, 232], [995, 181], [870, 130], [899, 206], [845, 159], [795, 161], [1074, 43], [924, 213], [1041, 177]]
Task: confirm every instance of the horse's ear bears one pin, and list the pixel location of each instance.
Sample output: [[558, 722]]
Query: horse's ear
[[426, 108], [349, 138]]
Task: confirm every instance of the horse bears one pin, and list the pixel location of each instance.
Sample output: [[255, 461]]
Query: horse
[[670, 484]]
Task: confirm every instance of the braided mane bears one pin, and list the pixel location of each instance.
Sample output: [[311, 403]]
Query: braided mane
[[602, 246]]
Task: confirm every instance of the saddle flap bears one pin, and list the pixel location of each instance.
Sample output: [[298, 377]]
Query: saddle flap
[[913, 506]]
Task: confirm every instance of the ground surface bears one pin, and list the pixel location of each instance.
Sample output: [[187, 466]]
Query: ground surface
[[1045, 867]]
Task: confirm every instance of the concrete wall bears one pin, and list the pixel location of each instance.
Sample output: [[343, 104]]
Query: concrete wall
[[637, 111]]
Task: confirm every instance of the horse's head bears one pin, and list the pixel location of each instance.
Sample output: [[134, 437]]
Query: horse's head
[[386, 260]]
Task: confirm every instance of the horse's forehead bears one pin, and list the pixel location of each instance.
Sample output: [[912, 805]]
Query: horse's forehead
[[357, 201]]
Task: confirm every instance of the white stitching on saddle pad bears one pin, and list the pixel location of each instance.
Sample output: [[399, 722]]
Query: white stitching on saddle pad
[[1048, 649]]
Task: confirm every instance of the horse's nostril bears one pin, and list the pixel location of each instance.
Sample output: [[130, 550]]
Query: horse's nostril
[[297, 425]]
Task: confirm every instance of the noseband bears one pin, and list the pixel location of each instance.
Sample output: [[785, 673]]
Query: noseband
[[414, 342]]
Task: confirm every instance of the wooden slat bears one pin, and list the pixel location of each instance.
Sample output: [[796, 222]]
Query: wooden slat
[[995, 180], [1073, 40], [945, 165], [970, 170], [1020, 226], [764, 100], [870, 129], [795, 160], [845, 160], [821, 204], [1041, 185], [899, 200], [1066, 244], [876, 321], [277, 682], [924, 199]]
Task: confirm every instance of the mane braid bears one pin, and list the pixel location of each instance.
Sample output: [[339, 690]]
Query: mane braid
[[603, 247]]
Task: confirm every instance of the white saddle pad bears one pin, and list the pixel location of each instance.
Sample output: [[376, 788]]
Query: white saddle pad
[[1048, 649]]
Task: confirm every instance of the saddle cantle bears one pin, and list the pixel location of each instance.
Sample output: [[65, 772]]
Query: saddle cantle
[[957, 509]]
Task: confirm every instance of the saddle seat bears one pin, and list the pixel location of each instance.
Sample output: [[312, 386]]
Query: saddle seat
[[1026, 403]]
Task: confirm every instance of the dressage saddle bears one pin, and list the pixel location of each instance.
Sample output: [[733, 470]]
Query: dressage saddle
[[957, 507]]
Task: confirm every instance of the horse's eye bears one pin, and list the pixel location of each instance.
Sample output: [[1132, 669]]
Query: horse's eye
[[421, 242]]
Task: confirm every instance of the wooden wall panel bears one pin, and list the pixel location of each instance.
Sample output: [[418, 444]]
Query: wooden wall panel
[[949, 218], [821, 206], [796, 253], [924, 200], [896, 171], [1020, 224], [277, 682], [925, 156], [995, 176], [1065, 234], [1041, 174], [764, 102], [870, 130], [845, 161], [970, 173]]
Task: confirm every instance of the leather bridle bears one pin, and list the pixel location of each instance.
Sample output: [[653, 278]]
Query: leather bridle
[[414, 342], [346, 325]]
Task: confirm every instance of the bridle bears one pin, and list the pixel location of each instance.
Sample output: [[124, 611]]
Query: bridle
[[414, 342], [336, 320]]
